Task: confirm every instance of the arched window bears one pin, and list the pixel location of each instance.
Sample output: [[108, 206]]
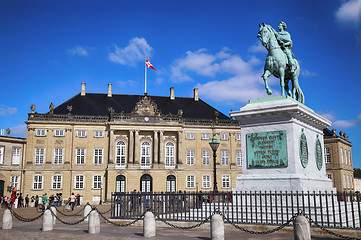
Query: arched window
[[169, 154], [120, 160], [120, 184], [146, 183], [171, 187], [145, 155]]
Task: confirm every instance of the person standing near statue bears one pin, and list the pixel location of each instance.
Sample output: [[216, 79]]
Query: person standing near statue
[[285, 41]]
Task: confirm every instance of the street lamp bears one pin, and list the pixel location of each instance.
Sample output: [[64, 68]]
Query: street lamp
[[214, 143]]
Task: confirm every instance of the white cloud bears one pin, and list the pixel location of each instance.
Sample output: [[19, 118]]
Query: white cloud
[[349, 12], [136, 51], [127, 83], [328, 115], [307, 73], [78, 51], [258, 48], [20, 130], [7, 111], [343, 124]]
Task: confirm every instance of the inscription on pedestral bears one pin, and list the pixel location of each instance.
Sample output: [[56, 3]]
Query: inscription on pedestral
[[303, 149], [267, 149], [318, 153]]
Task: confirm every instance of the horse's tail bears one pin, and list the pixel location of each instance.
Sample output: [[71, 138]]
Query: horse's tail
[[299, 95]]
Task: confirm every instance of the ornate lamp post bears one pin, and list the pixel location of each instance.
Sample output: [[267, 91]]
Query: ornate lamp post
[[214, 143]]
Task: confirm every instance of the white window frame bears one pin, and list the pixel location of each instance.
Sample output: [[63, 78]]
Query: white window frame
[[226, 181], [14, 181], [81, 133], [349, 157], [238, 137], [190, 136], [39, 156], [57, 181], [2, 152], [58, 155], [224, 136], [16, 155], [328, 155], [341, 155], [40, 132], [169, 155], [38, 182], [98, 156], [97, 181], [206, 136], [145, 154], [224, 157], [239, 157], [190, 157], [98, 133], [80, 156], [79, 181], [206, 181], [59, 132], [206, 157], [190, 181], [120, 154]]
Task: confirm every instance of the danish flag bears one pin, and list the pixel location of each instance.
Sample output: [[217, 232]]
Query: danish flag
[[148, 64]]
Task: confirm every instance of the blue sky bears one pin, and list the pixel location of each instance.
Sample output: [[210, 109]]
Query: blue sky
[[47, 48]]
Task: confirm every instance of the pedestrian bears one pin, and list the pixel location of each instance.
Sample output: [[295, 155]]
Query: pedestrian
[[45, 200], [78, 200], [36, 201], [72, 200], [32, 200], [27, 200]]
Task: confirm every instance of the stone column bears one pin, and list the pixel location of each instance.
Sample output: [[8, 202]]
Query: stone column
[[179, 160], [217, 227], [136, 147], [149, 225], [111, 146], [155, 148], [47, 221], [161, 147], [301, 228], [7, 220], [94, 222], [131, 147]]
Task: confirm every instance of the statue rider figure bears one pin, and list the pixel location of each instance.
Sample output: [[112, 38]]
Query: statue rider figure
[[284, 39]]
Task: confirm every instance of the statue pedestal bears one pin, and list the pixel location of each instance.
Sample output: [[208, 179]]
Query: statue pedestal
[[282, 147]]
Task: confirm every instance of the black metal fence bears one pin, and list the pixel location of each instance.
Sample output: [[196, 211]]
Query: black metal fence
[[332, 210]]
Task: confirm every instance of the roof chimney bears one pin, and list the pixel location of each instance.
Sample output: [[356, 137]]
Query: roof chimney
[[82, 89], [172, 97], [109, 90], [195, 91]]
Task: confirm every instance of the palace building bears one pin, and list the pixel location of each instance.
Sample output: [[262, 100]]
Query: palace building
[[96, 144]]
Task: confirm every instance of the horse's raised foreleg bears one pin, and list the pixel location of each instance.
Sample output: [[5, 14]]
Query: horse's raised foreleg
[[265, 76]]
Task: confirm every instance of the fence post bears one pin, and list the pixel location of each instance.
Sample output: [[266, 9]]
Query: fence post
[[53, 209], [301, 228], [7, 220], [94, 222], [47, 221], [87, 210], [217, 227], [149, 225]]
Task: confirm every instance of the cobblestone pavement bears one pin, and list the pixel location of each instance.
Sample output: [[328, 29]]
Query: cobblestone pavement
[[32, 230]]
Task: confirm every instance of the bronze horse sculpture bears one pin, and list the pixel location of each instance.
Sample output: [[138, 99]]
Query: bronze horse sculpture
[[277, 64]]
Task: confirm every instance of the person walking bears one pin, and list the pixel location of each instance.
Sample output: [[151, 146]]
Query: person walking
[[72, 200]]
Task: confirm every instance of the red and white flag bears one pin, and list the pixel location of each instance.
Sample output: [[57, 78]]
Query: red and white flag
[[148, 64]]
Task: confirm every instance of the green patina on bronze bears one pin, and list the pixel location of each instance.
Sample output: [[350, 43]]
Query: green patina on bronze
[[267, 149], [303, 149], [318, 153]]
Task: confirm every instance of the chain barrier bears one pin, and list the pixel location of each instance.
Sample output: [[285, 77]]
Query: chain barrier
[[329, 231], [117, 224], [184, 228], [70, 223], [73, 214], [23, 219]]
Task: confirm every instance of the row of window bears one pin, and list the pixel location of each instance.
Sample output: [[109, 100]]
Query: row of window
[[145, 156], [61, 133], [206, 181], [207, 136], [345, 155], [16, 155]]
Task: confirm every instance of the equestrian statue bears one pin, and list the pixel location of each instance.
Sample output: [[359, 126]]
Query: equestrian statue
[[280, 60]]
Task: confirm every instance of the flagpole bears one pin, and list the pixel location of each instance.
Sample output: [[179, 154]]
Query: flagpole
[[145, 85]]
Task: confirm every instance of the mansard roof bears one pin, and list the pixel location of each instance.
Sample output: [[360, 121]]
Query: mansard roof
[[95, 104]]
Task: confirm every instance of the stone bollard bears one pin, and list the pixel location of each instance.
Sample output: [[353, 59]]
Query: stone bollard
[[54, 216], [87, 210], [301, 228], [149, 225], [94, 222], [217, 227], [7, 220], [47, 221]]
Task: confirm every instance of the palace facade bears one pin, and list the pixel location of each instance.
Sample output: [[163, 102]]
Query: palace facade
[[96, 144]]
